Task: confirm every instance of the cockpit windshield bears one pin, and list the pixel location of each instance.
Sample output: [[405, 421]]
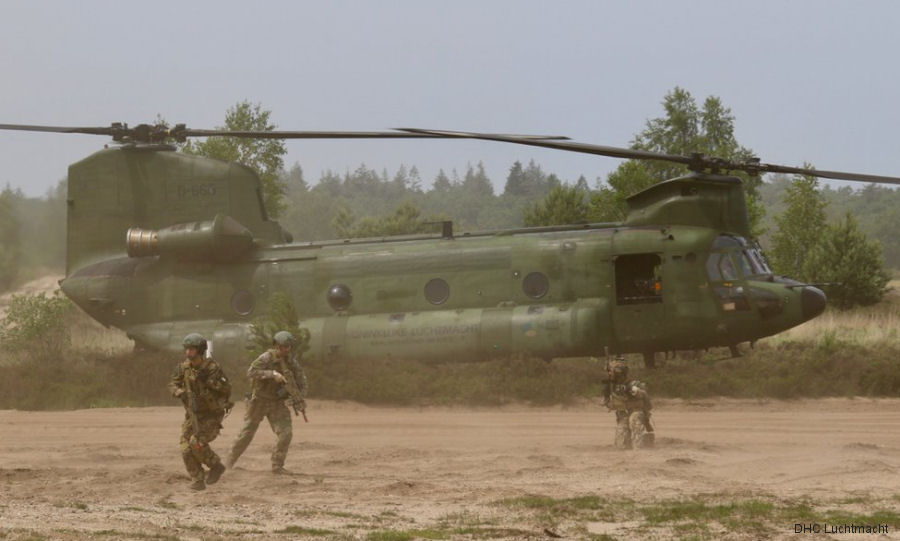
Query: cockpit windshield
[[733, 258], [758, 260]]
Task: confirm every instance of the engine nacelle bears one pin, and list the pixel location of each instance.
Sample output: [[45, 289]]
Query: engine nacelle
[[221, 239]]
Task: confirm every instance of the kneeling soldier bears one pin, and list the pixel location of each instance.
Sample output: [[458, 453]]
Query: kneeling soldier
[[630, 401]]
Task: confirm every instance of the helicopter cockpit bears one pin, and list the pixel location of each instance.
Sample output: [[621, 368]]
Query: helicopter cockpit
[[732, 267], [732, 258], [743, 281]]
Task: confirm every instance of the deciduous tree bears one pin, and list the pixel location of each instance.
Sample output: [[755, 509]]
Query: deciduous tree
[[563, 205], [685, 129], [799, 227], [265, 156]]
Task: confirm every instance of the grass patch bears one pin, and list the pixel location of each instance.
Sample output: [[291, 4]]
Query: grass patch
[[135, 535], [563, 507], [405, 535], [302, 530], [704, 518], [699, 511], [881, 516], [138, 509], [493, 532]]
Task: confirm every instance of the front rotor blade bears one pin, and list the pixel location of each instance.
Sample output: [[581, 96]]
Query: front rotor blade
[[311, 134], [59, 129], [154, 133]]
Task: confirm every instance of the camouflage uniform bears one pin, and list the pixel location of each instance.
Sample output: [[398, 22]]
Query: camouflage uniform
[[630, 401], [268, 401], [212, 392]]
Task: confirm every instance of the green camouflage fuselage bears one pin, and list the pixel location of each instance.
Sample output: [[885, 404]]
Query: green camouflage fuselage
[[692, 281]]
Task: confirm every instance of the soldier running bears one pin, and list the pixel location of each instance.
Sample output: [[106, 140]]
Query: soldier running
[[277, 378], [205, 391], [630, 401]]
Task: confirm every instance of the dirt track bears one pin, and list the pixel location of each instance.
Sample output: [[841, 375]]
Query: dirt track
[[117, 473]]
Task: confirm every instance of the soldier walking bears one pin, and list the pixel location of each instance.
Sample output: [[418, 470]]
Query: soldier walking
[[205, 391], [630, 401], [277, 380]]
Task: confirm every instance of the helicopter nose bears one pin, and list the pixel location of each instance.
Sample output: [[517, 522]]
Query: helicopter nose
[[812, 302]]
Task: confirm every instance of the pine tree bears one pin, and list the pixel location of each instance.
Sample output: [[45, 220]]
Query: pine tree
[[442, 183], [850, 263], [476, 182], [515, 181]]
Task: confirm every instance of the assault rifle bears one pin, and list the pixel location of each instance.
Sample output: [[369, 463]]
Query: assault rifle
[[293, 390], [190, 377]]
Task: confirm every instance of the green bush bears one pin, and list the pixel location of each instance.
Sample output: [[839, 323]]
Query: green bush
[[35, 324], [282, 316]]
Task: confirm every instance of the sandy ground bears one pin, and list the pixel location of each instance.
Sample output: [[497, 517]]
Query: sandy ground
[[370, 473]]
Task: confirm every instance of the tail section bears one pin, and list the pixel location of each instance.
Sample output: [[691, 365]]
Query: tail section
[[152, 187]]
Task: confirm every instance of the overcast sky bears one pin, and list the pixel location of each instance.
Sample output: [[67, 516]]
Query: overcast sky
[[808, 81]]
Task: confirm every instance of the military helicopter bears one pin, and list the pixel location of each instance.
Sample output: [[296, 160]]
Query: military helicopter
[[161, 244]]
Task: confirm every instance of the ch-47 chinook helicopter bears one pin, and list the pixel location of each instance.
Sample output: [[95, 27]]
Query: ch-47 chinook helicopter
[[161, 244]]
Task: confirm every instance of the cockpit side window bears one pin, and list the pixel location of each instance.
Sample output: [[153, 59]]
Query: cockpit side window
[[732, 260], [744, 262], [720, 267]]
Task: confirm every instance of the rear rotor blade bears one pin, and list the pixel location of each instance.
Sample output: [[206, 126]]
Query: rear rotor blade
[[544, 142], [696, 162], [837, 175]]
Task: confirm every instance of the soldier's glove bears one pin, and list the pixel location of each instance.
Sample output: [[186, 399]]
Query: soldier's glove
[[276, 375]]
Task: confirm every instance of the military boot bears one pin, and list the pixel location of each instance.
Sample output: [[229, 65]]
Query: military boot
[[215, 472], [198, 484], [279, 470]]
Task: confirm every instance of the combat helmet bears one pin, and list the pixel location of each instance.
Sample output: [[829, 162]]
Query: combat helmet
[[283, 338], [195, 340]]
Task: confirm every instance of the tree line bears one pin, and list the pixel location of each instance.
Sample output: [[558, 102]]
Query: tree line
[[811, 233]]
